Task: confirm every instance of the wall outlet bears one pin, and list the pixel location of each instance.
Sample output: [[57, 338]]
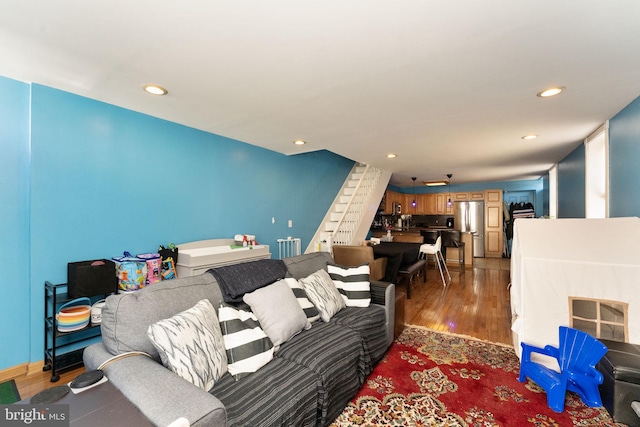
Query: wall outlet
[[290, 223]]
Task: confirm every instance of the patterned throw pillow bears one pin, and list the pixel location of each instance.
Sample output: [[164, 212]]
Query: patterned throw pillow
[[190, 344], [352, 283], [323, 294], [309, 309], [248, 347]]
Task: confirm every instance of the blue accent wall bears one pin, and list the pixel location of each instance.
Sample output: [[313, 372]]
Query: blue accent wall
[[624, 173], [14, 223], [103, 179], [571, 185], [624, 162]]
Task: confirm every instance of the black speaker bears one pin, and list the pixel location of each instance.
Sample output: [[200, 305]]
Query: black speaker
[[90, 278]]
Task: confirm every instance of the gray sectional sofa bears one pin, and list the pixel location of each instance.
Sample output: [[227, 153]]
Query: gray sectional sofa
[[308, 383]]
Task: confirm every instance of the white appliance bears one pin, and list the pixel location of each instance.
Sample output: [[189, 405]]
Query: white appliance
[[468, 217]]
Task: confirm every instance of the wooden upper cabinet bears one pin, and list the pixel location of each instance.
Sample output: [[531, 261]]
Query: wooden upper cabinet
[[476, 195], [441, 204], [423, 204], [493, 196], [430, 204], [410, 209], [460, 196], [390, 198]]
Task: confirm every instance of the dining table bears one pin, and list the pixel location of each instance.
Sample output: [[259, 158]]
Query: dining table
[[397, 254]]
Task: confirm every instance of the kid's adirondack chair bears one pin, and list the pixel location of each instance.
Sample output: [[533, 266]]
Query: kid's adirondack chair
[[577, 355]]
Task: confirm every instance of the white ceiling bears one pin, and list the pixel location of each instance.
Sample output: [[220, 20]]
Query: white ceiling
[[450, 86]]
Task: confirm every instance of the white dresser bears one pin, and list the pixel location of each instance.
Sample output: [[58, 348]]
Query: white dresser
[[197, 257]]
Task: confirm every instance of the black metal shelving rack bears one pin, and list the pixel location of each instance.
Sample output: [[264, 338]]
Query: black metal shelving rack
[[63, 350]]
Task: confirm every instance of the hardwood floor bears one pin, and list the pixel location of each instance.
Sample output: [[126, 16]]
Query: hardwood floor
[[474, 303]]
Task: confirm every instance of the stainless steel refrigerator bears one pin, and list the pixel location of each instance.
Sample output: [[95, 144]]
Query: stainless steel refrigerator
[[469, 217]]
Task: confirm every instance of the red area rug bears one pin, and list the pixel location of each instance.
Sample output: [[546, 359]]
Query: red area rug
[[435, 379]]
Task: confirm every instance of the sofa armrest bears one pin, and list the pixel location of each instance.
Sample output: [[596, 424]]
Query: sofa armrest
[[161, 395], [384, 293]]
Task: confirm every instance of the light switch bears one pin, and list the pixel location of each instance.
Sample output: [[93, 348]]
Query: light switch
[[290, 223]]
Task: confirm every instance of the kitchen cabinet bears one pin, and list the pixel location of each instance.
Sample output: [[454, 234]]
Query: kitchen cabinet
[[493, 224], [425, 203], [413, 210], [476, 195], [460, 196], [428, 204], [441, 207], [391, 197], [493, 196]]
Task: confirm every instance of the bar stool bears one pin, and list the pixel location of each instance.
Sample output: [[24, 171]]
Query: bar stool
[[427, 249], [459, 246]]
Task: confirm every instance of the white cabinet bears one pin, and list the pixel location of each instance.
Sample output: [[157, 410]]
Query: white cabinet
[[195, 258]]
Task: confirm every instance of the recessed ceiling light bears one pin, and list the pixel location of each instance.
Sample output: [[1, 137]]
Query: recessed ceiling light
[[530, 136], [299, 142], [391, 156], [552, 91], [155, 89]]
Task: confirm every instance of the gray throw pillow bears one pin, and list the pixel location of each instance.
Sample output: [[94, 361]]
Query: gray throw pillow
[[278, 312], [323, 294]]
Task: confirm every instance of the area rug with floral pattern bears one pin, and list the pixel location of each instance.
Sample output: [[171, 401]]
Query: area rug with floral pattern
[[436, 379]]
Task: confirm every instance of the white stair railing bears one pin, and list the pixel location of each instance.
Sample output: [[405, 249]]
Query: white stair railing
[[349, 218]]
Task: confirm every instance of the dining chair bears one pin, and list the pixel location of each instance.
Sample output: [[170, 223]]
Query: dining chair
[[426, 249], [353, 256]]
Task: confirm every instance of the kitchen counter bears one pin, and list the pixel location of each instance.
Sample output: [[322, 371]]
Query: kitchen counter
[[465, 237], [416, 229]]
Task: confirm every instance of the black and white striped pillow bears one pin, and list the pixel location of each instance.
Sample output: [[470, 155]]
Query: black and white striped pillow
[[248, 347], [352, 283], [309, 309]]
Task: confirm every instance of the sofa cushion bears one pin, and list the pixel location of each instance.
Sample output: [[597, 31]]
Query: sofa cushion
[[323, 294], [370, 324], [248, 348], [307, 306], [352, 283], [281, 393], [126, 317], [278, 312], [190, 344], [338, 357], [303, 265]]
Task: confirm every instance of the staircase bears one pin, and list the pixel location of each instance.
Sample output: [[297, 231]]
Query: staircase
[[350, 216]]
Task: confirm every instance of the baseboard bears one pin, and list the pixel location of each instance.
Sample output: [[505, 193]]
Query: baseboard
[[20, 370], [13, 372]]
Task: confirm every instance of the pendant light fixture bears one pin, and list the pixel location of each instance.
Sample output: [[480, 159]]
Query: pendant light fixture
[[414, 203], [449, 202]]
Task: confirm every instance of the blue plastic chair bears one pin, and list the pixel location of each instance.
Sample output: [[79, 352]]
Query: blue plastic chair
[[577, 356]]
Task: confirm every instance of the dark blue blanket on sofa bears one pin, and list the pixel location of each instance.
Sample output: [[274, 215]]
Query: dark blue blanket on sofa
[[237, 279]]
